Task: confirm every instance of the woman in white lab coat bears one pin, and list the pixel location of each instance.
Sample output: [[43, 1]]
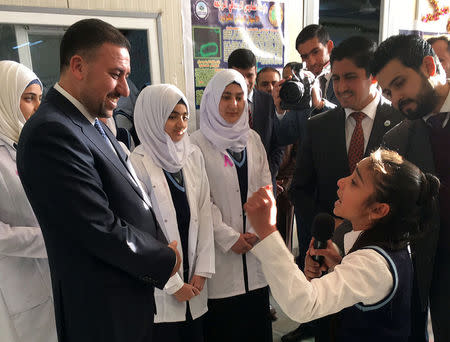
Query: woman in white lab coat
[[236, 164], [173, 173], [26, 304]]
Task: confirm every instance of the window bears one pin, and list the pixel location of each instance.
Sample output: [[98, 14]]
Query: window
[[346, 18], [32, 37]]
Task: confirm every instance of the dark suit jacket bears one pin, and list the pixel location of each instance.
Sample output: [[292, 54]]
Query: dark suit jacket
[[330, 95], [100, 234], [264, 121], [411, 139], [323, 160]]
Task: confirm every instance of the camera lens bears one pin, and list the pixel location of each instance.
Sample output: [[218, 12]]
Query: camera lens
[[292, 92]]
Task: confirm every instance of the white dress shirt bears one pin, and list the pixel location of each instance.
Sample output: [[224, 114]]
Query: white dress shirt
[[362, 277], [326, 72]]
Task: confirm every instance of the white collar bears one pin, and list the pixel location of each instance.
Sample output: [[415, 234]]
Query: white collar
[[326, 71], [250, 96], [370, 110], [350, 239], [75, 102]]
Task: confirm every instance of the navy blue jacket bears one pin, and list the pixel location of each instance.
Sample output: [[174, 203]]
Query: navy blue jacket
[[101, 236]]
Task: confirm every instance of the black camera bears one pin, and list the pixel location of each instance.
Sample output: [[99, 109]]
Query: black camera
[[295, 94]]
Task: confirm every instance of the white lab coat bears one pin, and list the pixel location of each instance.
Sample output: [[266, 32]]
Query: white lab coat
[[228, 280], [201, 239], [26, 303]]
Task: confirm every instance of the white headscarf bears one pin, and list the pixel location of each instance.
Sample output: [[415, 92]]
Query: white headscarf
[[153, 106], [15, 78], [220, 133]]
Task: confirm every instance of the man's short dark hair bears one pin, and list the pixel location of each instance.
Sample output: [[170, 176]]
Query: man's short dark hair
[[410, 50], [266, 69], [86, 35], [433, 40], [241, 59], [360, 50], [310, 32]]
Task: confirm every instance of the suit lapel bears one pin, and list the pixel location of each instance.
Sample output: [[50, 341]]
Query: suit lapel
[[94, 136], [339, 142], [329, 92], [419, 150], [255, 112], [381, 125]]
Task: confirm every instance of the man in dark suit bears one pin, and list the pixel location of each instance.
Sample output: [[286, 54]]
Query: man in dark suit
[[337, 139], [261, 108], [411, 76], [101, 235]]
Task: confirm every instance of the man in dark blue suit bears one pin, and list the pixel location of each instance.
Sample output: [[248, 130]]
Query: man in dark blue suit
[[105, 248], [411, 76]]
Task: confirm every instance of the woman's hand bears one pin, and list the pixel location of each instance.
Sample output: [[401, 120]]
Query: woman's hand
[[198, 282], [187, 292], [251, 238], [261, 211], [241, 246], [331, 254]]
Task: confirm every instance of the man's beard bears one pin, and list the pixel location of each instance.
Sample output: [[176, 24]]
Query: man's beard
[[426, 101]]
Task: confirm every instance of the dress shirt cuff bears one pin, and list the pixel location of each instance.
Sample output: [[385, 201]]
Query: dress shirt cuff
[[327, 105], [173, 284]]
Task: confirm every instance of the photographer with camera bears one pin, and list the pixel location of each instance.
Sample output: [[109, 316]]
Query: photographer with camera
[[304, 93]]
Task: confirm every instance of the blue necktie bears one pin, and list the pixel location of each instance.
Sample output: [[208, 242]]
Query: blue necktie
[[100, 129]]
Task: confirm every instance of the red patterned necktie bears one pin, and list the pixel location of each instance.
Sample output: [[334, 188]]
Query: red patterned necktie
[[356, 148]]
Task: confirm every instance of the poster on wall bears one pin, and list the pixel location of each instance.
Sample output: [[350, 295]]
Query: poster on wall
[[221, 26]]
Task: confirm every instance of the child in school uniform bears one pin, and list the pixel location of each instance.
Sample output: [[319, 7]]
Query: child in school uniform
[[389, 201]]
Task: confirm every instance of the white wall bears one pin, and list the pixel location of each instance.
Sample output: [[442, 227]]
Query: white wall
[[407, 15], [170, 16]]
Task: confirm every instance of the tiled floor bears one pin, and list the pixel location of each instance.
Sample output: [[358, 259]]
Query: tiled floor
[[283, 324]]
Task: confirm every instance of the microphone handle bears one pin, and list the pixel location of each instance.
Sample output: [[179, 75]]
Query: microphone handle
[[319, 245]]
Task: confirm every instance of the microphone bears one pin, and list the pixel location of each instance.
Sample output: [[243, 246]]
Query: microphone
[[322, 231]]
